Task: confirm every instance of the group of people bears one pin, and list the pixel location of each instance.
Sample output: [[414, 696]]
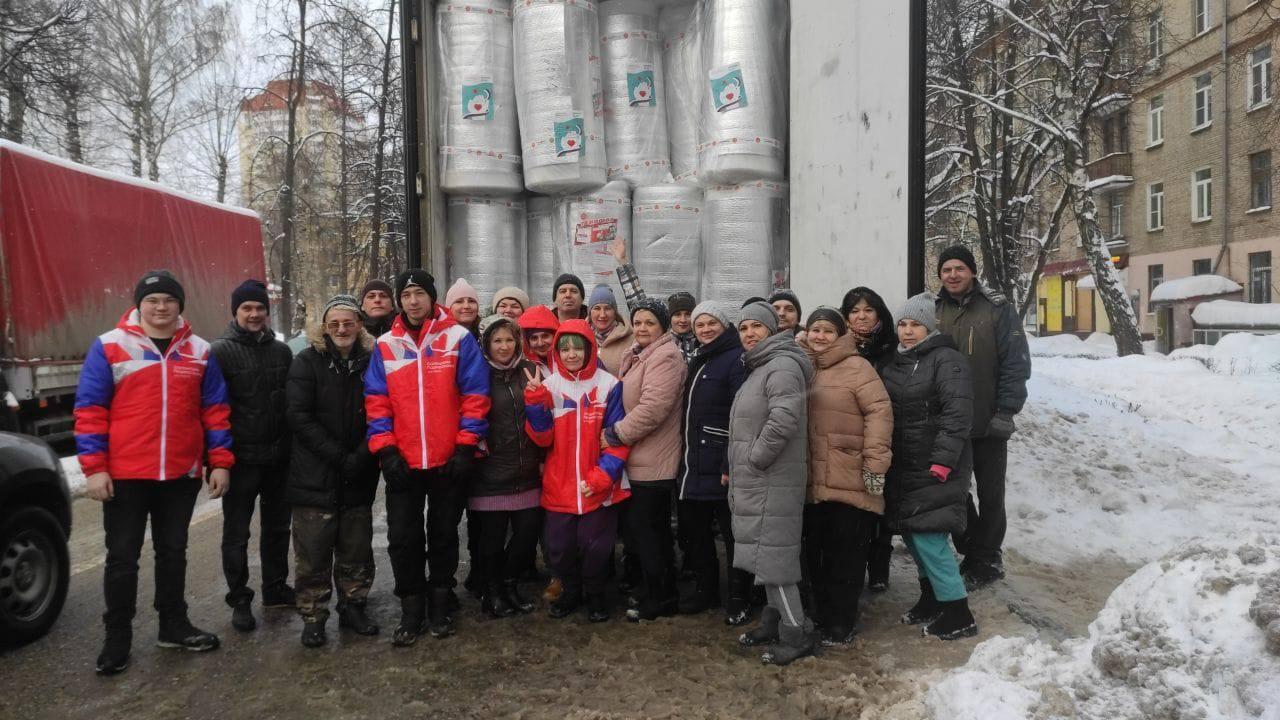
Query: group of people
[[569, 428]]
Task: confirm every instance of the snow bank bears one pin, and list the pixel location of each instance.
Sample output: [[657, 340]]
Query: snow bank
[[1236, 354], [1193, 287], [1233, 314], [1174, 641], [1097, 345]]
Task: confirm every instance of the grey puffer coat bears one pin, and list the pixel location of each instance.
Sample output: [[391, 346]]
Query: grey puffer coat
[[932, 398], [768, 472]]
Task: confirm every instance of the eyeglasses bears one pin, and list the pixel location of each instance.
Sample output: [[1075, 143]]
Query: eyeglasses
[[344, 325]]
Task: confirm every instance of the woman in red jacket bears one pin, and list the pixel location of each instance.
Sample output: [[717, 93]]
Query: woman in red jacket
[[568, 412]]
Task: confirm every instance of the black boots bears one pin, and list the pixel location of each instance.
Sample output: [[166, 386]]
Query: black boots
[[838, 636], [354, 618], [521, 605], [566, 604], [180, 633], [242, 616], [955, 621], [978, 575], [114, 658], [413, 620], [440, 612], [279, 597], [313, 634], [878, 565], [926, 609], [597, 608], [794, 642], [766, 632], [494, 601]]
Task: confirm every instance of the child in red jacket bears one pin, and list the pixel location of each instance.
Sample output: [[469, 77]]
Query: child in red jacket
[[582, 483]]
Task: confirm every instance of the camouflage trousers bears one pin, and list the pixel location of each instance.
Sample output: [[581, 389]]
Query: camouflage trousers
[[331, 547]]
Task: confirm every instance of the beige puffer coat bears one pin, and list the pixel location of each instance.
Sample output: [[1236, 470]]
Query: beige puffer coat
[[652, 386]]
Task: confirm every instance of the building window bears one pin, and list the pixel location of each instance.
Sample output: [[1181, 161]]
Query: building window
[[1155, 121], [1115, 209], [1155, 206], [1115, 133], [1202, 195], [1260, 180], [1202, 15], [1260, 76], [1203, 266], [1203, 102], [1260, 277], [1155, 35], [1155, 276]]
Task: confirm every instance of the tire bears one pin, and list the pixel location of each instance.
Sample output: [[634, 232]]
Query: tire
[[35, 571]]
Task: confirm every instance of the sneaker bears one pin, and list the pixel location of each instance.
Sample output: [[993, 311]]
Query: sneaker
[[980, 574], [114, 658], [182, 634], [242, 617], [413, 611], [281, 597], [313, 634], [954, 623]]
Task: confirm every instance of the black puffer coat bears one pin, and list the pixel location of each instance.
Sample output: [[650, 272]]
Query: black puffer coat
[[715, 374], [932, 413], [256, 366], [331, 465], [512, 463]]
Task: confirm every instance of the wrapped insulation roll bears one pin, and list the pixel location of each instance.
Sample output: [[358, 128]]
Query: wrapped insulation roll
[[745, 241], [635, 116], [487, 243], [544, 267], [742, 129], [479, 128], [559, 95], [665, 238], [585, 227], [682, 82]]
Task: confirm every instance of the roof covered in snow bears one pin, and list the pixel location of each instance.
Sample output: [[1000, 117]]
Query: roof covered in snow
[[1229, 313], [1193, 287], [1086, 283]]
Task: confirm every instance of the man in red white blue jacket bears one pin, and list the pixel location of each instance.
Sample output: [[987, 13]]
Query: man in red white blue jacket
[[151, 410], [426, 398]]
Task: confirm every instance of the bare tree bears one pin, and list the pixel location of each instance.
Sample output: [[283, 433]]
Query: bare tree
[[36, 36]]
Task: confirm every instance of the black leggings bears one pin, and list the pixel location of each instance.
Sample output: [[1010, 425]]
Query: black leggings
[[500, 558], [649, 537]]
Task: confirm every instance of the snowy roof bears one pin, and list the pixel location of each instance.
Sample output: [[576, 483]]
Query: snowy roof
[[1086, 283], [1230, 313], [1193, 287]]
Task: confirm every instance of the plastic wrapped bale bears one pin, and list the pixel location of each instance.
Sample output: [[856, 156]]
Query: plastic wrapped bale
[[665, 238], [635, 119], [558, 92], [543, 265], [682, 83], [487, 243], [745, 241], [479, 128], [742, 129], [585, 226]]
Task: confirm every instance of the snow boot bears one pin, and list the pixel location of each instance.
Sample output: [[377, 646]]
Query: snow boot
[[180, 633], [926, 609], [700, 602], [413, 611], [981, 574], [440, 613], [955, 622], [566, 604], [495, 603], [838, 636], [473, 584], [511, 588], [597, 608], [766, 633], [353, 617], [794, 642], [878, 567], [114, 658], [242, 616], [313, 634]]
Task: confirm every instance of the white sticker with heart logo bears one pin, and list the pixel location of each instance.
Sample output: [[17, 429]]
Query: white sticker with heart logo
[[477, 100], [728, 89], [640, 87]]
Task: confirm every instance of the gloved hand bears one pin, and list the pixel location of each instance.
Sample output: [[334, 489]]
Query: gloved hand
[[940, 471], [1001, 426], [460, 465], [598, 482], [11, 401], [394, 469], [873, 481], [352, 464]]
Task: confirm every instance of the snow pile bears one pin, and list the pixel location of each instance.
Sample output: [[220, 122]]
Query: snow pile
[[1194, 287], [1174, 641], [1098, 345], [1233, 314], [1236, 354], [1087, 283]]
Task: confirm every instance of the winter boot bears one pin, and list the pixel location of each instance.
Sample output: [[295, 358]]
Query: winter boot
[[279, 597], [926, 609], [114, 658], [955, 622], [495, 603], [878, 567], [439, 613], [837, 636], [597, 608], [512, 590], [180, 633], [766, 632], [981, 574], [413, 611], [353, 617], [566, 604], [794, 642], [313, 634], [700, 602], [242, 616], [473, 583], [737, 612]]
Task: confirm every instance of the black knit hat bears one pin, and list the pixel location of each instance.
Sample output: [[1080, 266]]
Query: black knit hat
[[830, 315], [569, 279], [681, 302], [753, 299], [376, 284], [250, 291], [957, 252], [789, 295], [160, 281], [655, 306], [415, 277]]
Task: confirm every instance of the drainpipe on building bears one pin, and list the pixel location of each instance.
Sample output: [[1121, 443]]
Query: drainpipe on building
[[1224, 253]]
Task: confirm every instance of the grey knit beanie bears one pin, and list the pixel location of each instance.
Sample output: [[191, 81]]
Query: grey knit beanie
[[715, 309], [762, 313], [922, 308], [345, 302]]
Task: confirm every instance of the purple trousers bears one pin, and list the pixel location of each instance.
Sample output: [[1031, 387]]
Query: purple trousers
[[579, 548]]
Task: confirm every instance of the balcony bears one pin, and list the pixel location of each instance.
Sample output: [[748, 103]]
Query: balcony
[[1111, 172]]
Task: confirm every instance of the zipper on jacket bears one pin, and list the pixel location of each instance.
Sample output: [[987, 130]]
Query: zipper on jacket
[[164, 407], [422, 413], [519, 431], [577, 455], [684, 481]]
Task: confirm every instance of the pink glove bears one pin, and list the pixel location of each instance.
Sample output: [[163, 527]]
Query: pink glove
[[940, 471]]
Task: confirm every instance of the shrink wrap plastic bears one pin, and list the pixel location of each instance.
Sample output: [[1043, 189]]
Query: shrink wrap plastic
[[585, 225], [479, 130], [682, 83], [635, 100], [745, 241], [544, 266], [559, 95], [665, 230], [487, 243]]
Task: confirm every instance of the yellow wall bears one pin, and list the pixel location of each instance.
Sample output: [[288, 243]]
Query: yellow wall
[[1051, 291]]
